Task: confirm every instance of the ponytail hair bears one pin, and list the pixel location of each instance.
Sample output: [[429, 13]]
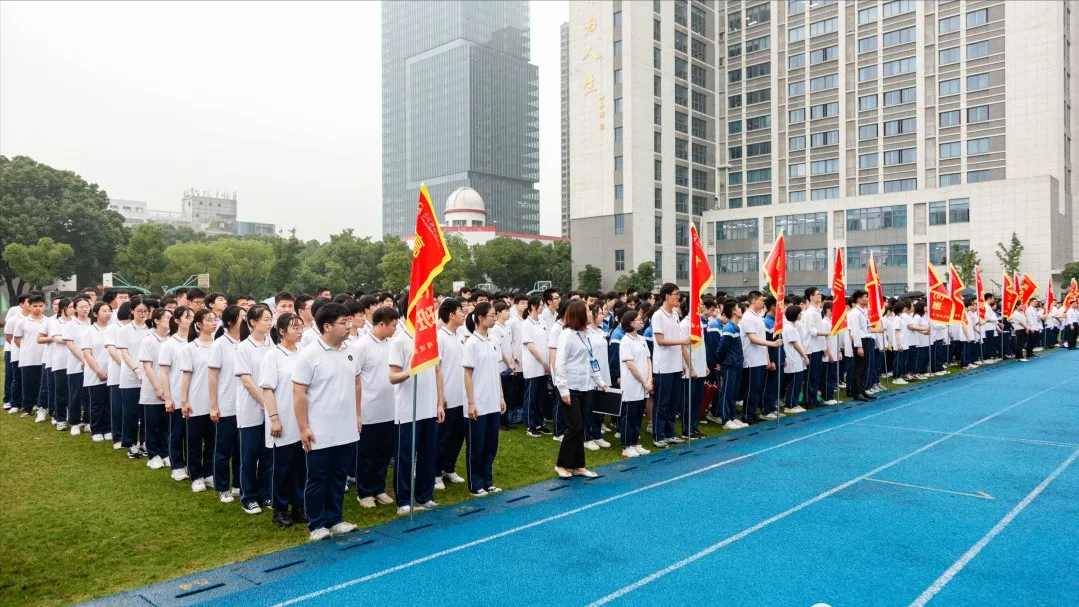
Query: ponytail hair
[[472, 320], [156, 317], [229, 318], [193, 330], [174, 322], [93, 311]]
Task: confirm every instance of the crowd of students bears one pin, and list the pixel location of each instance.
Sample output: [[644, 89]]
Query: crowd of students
[[283, 403]]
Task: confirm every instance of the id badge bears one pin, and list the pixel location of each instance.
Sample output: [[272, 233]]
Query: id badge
[[595, 365]]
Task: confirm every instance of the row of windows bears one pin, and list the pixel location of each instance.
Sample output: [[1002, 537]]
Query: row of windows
[[816, 140], [736, 229], [890, 68], [894, 256], [877, 218], [752, 150], [801, 225], [751, 201], [952, 24], [975, 82], [889, 9], [956, 210], [938, 251], [751, 46], [979, 113], [755, 15], [974, 146], [979, 176], [751, 98], [975, 50]]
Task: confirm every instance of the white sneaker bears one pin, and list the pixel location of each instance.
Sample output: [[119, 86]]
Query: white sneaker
[[731, 425], [797, 409], [155, 463], [75, 430], [319, 534], [790, 410], [431, 505], [42, 415], [831, 402], [900, 382], [209, 481], [367, 502], [454, 478], [225, 497], [167, 462], [198, 486], [770, 416], [12, 410], [117, 446], [676, 440], [713, 419], [591, 445], [741, 424], [493, 489], [97, 438], [558, 439], [603, 429], [405, 510], [179, 474], [439, 485], [641, 450], [649, 428], [235, 492], [108, 436], [630, 452], [384, 499], [7, 406], [659, 444], [342, 528], [86, 427], [602, 443], [54, 421]]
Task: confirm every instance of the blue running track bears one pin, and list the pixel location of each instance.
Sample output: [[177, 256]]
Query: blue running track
[[963, 491]]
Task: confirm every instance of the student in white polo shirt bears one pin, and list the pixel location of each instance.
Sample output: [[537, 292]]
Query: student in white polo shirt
[[451, 432], [377, 404], [92, 345], [31, 354], [537, 371], [755, 356], [282, 431], [255, 456], [152, 392], [12, 375], [486, 403], [327, 399], [195, 400], [172, 380], [430, 410], [78, 407], [128, 340], [222, 387], [670, 353]]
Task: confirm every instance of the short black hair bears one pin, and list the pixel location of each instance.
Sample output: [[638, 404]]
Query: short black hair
[[811, 291], [627, 319], [667, 289], [343, 298], [384, 314], [548, 295], [328, 314], [368, 302], [447, 308], [353, 306], [301, 302], [196, 293], [280, 297], [33, 299], [91, 290], [180, 291], [792, 313]]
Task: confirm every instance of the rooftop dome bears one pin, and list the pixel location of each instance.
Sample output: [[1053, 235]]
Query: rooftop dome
[[465, 199]]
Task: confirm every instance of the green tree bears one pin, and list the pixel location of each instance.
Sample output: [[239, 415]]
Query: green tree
[[642, 278], [345, 263], [964, 262], [508, 262], [40, 264], [1071, 270], [559, 267], [173, 234], [186, 259], [143, 259], [460, 267], [287, 263], [242, 266], [38, 201], [1010, 256], [396, 264], [590, 278]]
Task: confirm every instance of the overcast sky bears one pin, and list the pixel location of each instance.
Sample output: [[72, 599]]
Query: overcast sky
[[278, 101]]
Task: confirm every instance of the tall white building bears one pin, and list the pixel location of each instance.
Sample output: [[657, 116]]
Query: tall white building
[[910, 129]]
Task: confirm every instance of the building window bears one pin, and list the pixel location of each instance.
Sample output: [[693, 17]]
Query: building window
[[657, 141], [951, 150], [976, 18], [823, 83], [738, 262], [959, 210], [899, 7], [797, 196], [866, 45], [948, 24], [901, 96], [734, 203], [868, 189], [824, 167], [619, 224], [900, 66], [868, 161], [867, 15], [900, 185], [681, 148], [659, 265], [681, 202], [759, 201], [948, 179], [797, 170], [758, 149], [700, 127], [938, 213], [618, 76], [867, 131], [952, 118], [758, 44], [760, 96], [734, 101], [949, 55], [656, 30], [619, 260], [700, 102], [802, 225], [948, 87], [877, 218], [894, 256], [734, 50], [797, 143], [756, 15], [977, 50], [734, 22], [659, 230], [796, 116], [658, 170], [618, 105], [900, 127], [681, 175], [697, 50], [756, 71], [734, 178], [938, 253], [796, 34], [758, 175], [795, 89], [700, 75], [824, 193], [734, 127], [823, 55], [681, 122], [903, 156], [977, 146], [618, 163], [618, 18], [817, 140], [681, 95], [867, 102], [978, 114], [977, 82], [700, 180], [657, 58], [681, 233], [826, 26], [618, 133], [681, 41], [659, 198], [796, 61], [681, 68], [619, 191], [902, 36], [796, 7], [617, 48], [825, 110], [734, 153], [867, 73], [700, 203], [807, 259], [977, 176]]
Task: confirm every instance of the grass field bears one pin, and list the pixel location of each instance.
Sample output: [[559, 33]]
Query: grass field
[[80, 521]]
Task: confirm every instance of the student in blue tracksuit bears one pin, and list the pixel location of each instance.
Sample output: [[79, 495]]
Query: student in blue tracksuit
[[729, 361], [770, 401], [712, 333]]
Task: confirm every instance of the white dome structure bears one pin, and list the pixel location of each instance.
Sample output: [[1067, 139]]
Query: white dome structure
[[465, 208]]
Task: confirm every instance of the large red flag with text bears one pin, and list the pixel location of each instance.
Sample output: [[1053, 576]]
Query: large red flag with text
[[940, 302], [1027, 289], [1049, 296], [876, 296], [700, 277], [981, 296], [429, 257], [839, 294], [776, 269], [1009, 296], [959, 309], [1072, 295]]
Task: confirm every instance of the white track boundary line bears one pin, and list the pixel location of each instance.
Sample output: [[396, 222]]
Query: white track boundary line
[[1010, 439], [956, 567], [782, 515]]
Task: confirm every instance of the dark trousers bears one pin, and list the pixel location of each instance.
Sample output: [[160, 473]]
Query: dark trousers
[[534, 394], [728, 394], [754, 392], [939, 356], [426, 457], [31, 386], [1020, 343], [116, 412], [226, 454], [1051, 337], [860, 369], [1034, 339], [992, 344], [99, 409], [289, 475], [451, 436], [592, 422], [15, 393], [201, 438], [814, 377], [324, 492], [156, 431], [830, 379], [177, 433], [59, 388], [50, 391], [794, 387], [691, 409], [668, 401], [511, 391], [1073, 335], [132, 417], [571, 452], [373, 458], [481, 450], [254, 465], [78, 405], [629, 423], [8, 378]]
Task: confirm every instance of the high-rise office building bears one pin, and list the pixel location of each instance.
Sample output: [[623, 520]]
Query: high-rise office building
[[912, 130], [564, 69], [459, 108]]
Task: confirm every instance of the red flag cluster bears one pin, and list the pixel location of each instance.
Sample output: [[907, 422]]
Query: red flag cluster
[[429, 257]]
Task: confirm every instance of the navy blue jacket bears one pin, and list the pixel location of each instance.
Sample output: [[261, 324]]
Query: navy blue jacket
[[729, 352]]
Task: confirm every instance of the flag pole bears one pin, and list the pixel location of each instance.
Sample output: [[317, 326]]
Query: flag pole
[[412, 480], [688, 411]]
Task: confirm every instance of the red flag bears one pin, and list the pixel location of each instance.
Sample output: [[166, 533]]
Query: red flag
[[940, 303], [429, 257], [981, 297], [839, 295], [699, 278], [1027, 289], [776, 269], [1009, 296], [1049, 296], [959, 309], [876, 296], [1072, 295]]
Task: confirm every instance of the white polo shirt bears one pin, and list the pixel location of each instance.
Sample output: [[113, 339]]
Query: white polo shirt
[[533, 332], [223, 358], [330, 377], [792, 360], [422, 384], [111, 339], [129, 337], [697, 356], [811, 319], [310, 335], [71, 333], [753, 355], [275, 373], [481, 354], [50, 348], [148, 353], [666, 359], [31, 353], [195, 359], [599, 343], [249, 355], [14, 314], [451, 348], [169, 359], [633, 348], [372, 361], [93, 339]]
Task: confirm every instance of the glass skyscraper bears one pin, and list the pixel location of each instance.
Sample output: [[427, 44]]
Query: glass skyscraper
[[460, 106]]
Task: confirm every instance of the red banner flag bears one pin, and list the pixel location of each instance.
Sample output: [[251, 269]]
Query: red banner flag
[[429, 257], [981, 297], [700, 277], [776, 269], [1027, 289], [940, 302], [876, 295], [1049, 296], [1010, 296], [959, 309], [839, 295], [1072, 295]]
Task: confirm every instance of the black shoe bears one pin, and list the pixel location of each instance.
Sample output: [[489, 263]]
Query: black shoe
[[266, 504], [251, 507], [299, 516], [544, 430], [870, 397], [134, 453], [862, 397], [281, 519], [696, 435]]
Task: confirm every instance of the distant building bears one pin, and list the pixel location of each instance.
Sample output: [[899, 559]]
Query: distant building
[[215, 215], [466, 216], [245, 228], [134, 211]]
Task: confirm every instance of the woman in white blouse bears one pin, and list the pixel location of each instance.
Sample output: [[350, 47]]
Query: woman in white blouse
[[171, 377], [254, 454], [152, 392], [223, 386], [289, 463], [128, 340], [195, 400], [483, 390], [92, 344], [576, 374]]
